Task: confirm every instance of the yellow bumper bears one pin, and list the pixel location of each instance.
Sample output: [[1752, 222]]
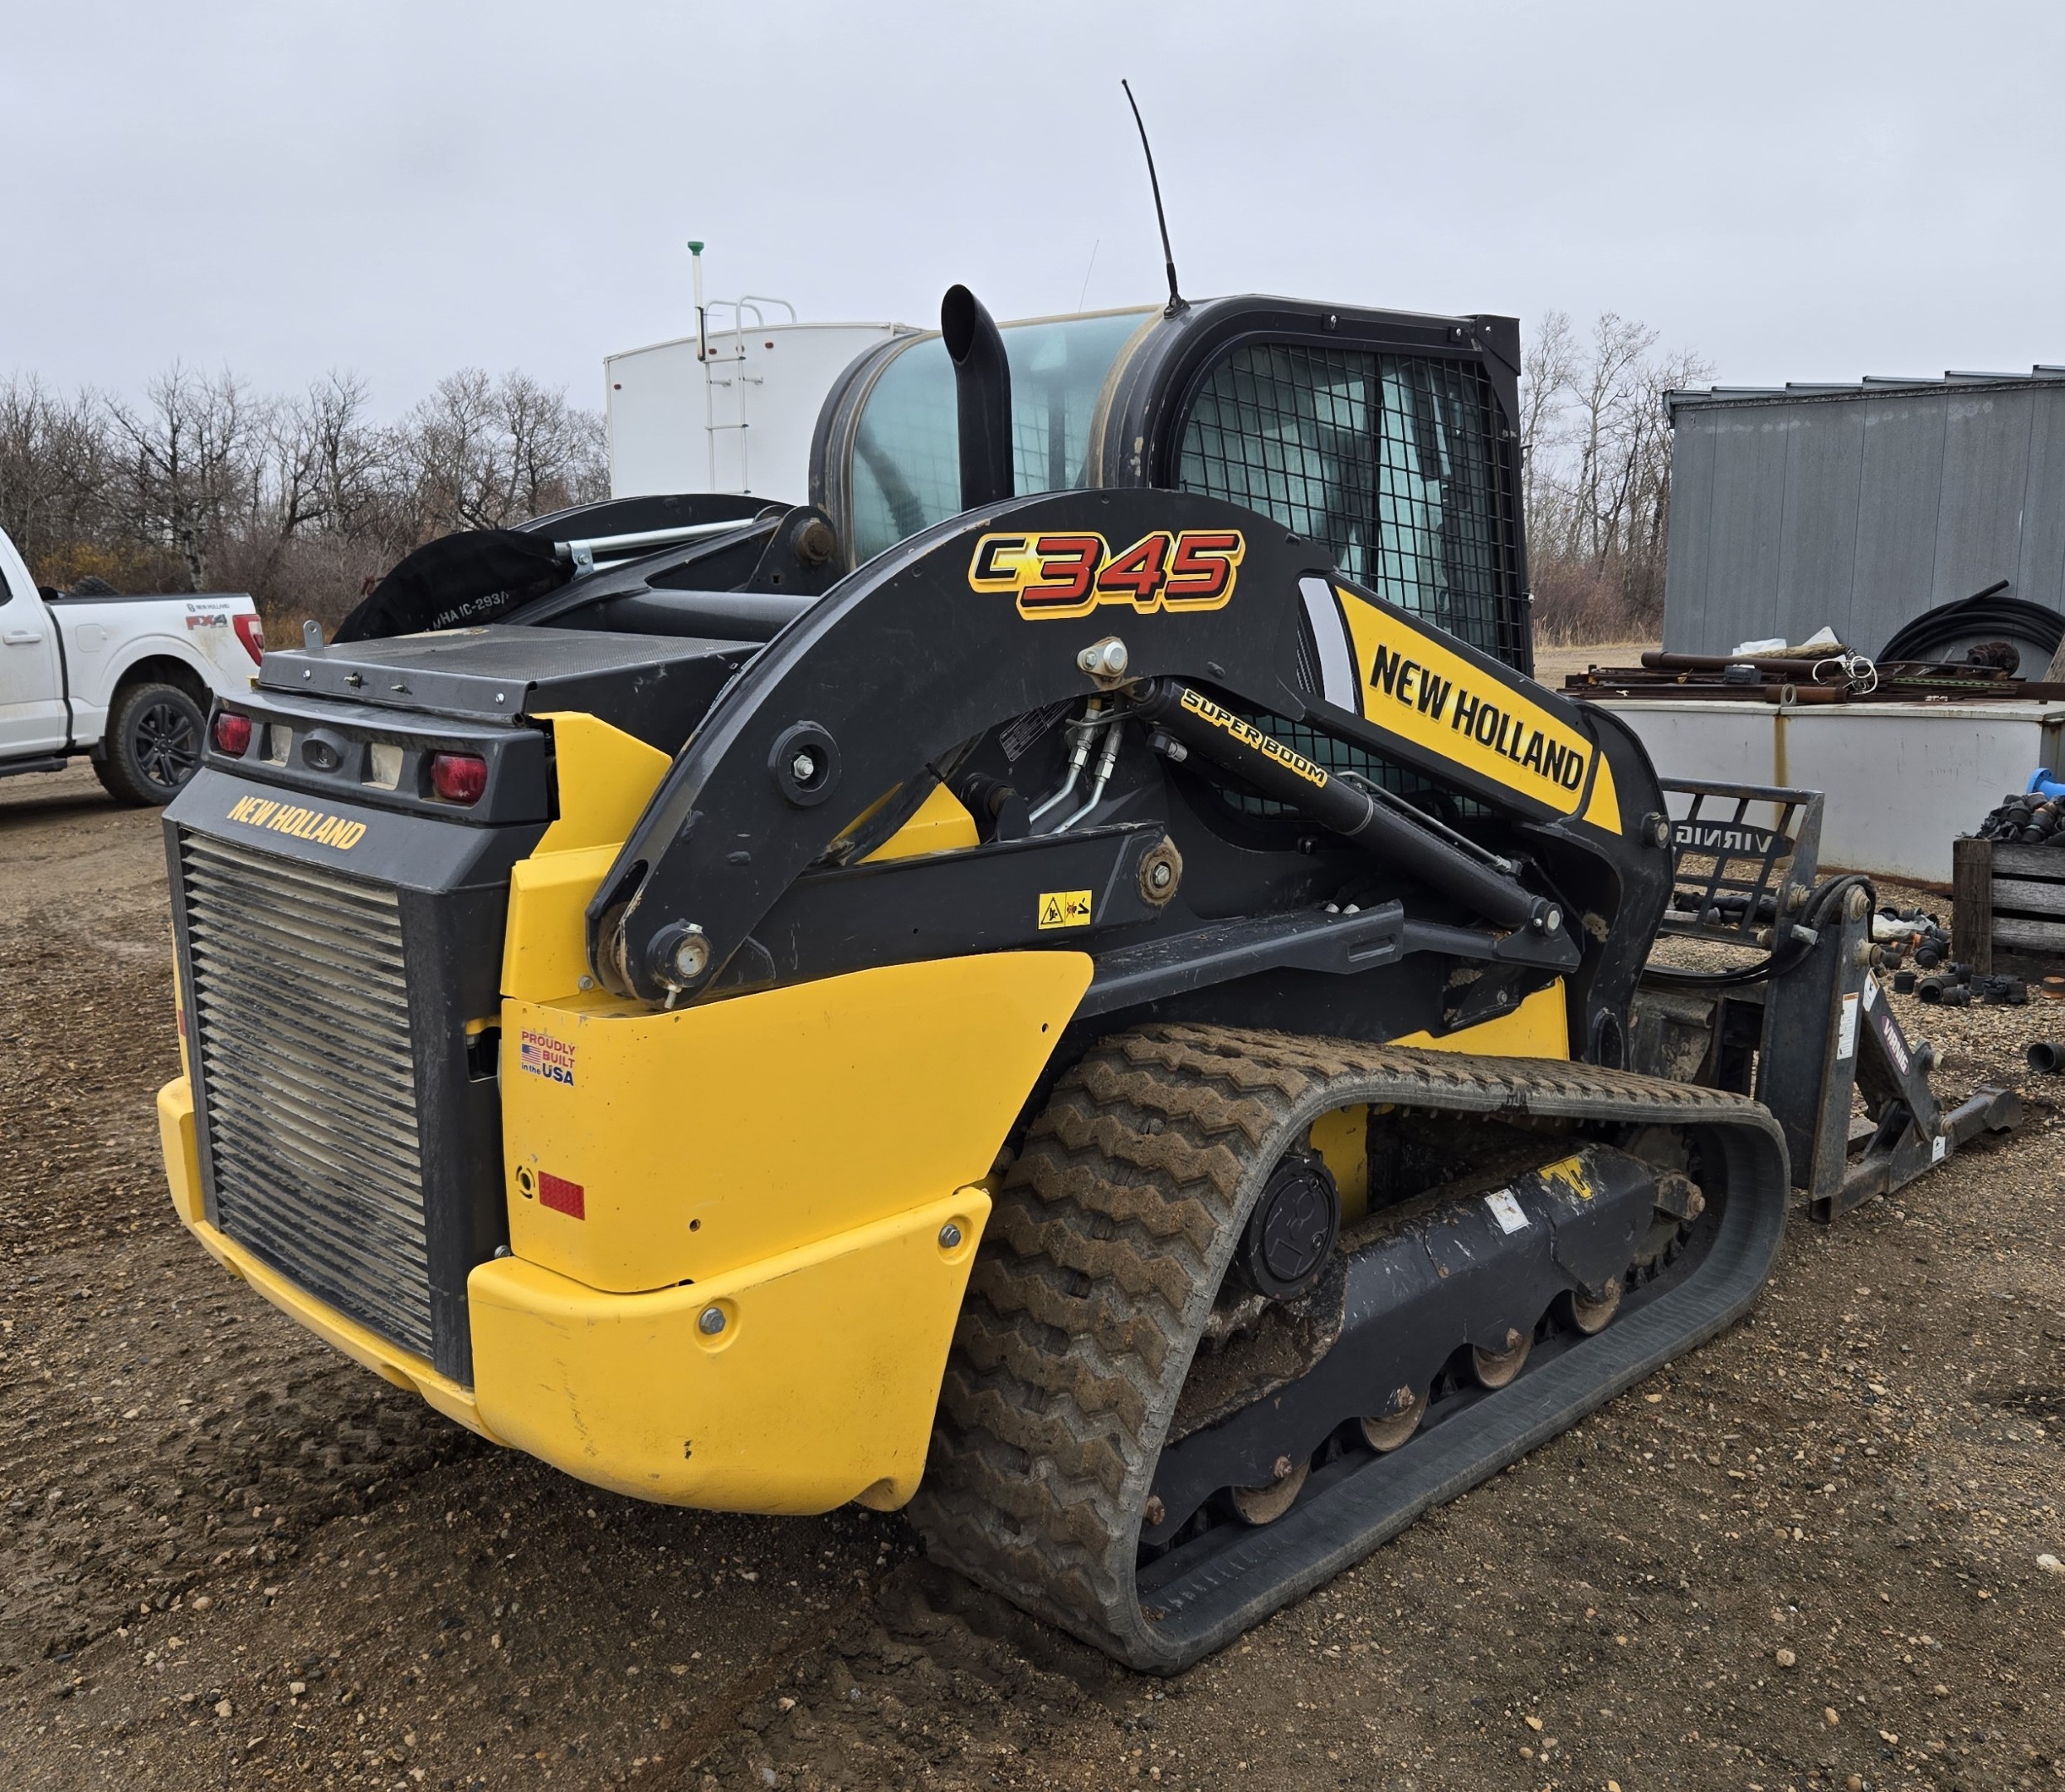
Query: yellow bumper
[[793, 1385], [818, 1388]]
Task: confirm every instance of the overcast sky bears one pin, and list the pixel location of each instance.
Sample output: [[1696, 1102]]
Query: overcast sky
[[1795, 190]]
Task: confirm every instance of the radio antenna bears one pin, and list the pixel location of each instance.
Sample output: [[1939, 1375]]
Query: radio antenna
[[1177, 302]]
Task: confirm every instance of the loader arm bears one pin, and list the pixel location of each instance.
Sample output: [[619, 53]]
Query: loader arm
[[882, 686]]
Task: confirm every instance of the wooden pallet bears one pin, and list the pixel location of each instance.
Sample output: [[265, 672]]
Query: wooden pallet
[[2009, 907]]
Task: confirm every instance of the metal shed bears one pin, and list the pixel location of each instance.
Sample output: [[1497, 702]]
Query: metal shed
[[1859, 507]]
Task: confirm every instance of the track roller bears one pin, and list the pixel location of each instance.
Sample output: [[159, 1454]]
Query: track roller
[[1495, 1369]]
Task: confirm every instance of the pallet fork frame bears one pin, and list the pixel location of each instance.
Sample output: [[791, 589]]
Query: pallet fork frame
[[1813, 1030]]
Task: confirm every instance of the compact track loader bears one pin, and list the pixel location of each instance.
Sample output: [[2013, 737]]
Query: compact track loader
[[1072, 984]]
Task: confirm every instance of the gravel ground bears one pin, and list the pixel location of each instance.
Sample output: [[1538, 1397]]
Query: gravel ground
[[1807, 1555]]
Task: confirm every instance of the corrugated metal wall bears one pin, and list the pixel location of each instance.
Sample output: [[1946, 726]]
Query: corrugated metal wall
[[1860, 510]]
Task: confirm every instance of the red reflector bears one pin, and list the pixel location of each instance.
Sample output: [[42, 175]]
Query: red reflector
[[232, 734], [459, 778], [251, 632], [562, 1196]]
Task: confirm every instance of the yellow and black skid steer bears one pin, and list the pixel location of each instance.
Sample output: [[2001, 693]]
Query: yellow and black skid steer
[[1072, 984]]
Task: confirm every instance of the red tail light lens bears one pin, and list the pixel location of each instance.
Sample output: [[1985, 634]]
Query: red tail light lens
[[251, 632], [459, 778], [232, 734]]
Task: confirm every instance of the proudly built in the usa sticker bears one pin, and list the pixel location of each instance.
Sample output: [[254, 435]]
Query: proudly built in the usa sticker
[[542, 1055]]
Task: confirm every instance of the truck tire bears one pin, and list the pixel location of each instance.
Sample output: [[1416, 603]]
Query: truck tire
[[156, 733]]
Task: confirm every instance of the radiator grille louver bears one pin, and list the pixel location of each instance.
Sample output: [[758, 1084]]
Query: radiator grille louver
[[306, 1071]]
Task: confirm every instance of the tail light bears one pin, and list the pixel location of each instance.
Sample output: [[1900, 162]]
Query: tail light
[[251, 632], [459, 778], [232, 734]]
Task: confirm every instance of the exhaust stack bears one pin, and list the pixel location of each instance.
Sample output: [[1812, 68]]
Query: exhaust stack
[[982, 397]]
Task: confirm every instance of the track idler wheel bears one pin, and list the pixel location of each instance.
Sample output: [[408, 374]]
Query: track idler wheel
[[1387, 1431], [1267, 1503], [1494, 1369], [1589, 1314]]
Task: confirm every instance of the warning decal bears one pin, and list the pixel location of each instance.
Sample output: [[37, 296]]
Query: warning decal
[[1060, 908]]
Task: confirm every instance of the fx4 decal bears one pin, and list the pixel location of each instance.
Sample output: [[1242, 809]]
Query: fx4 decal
[[1055, 573]]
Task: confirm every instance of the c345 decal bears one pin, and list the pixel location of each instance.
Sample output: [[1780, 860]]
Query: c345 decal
[[1069, 573]]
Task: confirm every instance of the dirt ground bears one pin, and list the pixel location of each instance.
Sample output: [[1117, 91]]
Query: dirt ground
[[1808, 1555], [1553, 665]]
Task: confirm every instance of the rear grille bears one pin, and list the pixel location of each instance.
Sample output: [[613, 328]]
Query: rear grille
[[300, 1010]]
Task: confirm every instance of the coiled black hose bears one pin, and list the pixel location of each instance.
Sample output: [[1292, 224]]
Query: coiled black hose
[[1780, 960]]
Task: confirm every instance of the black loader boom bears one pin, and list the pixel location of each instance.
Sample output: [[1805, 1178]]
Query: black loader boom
[[1072, 983]]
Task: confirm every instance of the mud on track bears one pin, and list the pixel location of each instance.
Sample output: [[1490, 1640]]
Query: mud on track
[[230, 1558]]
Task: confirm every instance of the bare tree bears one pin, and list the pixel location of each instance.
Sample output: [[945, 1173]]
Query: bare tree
[[192, 467], [301, 501], [1596, 479], [1548, 367], [55, 469]]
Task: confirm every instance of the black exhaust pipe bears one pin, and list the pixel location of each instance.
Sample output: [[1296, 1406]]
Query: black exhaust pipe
[[982, 397]]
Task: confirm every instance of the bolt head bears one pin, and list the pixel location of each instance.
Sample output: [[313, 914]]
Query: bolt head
[[803, 767], [692, 956], [1160, 875], [949, 1236], [711, 1321]]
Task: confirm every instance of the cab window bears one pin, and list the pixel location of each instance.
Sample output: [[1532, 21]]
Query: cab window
[[1389, 461], [907, 458]]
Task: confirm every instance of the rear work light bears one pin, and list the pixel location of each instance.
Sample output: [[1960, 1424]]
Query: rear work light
[[251, 632], [232, 734], [459, 778]]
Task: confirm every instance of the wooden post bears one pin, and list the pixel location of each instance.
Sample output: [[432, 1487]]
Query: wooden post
[[1972, 900]]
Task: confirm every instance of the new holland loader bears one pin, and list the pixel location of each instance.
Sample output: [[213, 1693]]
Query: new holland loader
[[1071, 984]]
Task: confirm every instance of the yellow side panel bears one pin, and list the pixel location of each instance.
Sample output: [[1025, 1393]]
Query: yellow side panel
[[705, 1139], [1604, 810], [1343, 1140], [940, 824], [545, 947], [605, 777], [1426, 693], [819, 1388], [1540, 1027], [178, 1141], [390, 1362]]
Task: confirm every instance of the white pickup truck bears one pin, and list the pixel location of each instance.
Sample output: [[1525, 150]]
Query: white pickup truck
[[127, 680]]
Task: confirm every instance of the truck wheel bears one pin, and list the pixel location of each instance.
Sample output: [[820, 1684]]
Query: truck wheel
[[153, 744]]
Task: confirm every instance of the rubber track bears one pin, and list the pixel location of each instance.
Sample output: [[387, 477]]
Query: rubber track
[[1107, 1247]]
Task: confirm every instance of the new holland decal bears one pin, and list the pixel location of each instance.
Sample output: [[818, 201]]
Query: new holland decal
[[1427, 693], [1069, 573], [303, 824]]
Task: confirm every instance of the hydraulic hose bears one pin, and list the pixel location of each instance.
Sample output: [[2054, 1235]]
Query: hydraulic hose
[[1779, 961], [1260, 760]]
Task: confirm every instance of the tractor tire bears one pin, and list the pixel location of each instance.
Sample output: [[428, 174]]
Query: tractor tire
[[155, 736]]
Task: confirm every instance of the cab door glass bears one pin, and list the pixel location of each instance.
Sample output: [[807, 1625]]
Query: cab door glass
[[907, 457], [1392, 462]]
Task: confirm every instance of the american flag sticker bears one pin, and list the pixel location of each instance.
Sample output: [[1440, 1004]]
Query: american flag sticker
[[539, 1055]]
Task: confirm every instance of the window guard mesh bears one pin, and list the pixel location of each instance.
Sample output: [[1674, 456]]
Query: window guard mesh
[[1393, 464]]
